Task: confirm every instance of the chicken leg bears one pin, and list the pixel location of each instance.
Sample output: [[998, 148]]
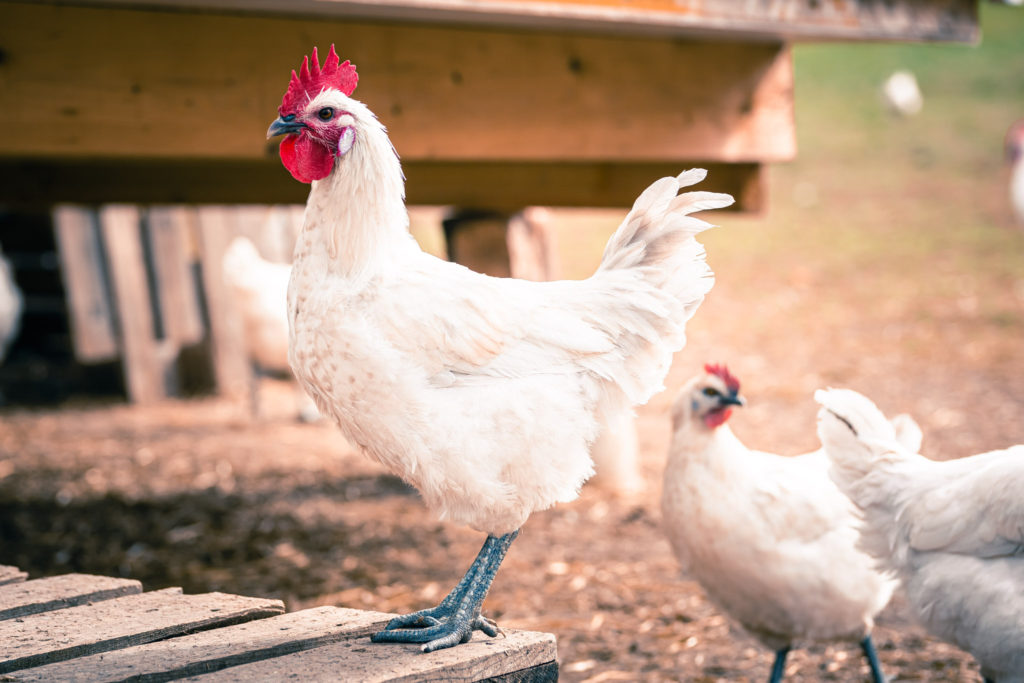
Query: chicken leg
[[778, 668], [458, 615]]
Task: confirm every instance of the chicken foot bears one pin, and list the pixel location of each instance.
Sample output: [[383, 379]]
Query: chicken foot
[[866, 645], [458, 614]]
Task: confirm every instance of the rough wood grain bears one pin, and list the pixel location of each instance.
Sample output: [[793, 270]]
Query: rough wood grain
[[213, 650], [497, 95], [58, 592], [502, 185], [9, 575], [122, 622], [85, 281], [361, 660]]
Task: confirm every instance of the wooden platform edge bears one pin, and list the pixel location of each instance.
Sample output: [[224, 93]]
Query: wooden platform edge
[[58, 592], [10, 575]]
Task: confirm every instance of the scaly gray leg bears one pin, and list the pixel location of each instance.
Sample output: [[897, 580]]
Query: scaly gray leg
[[779, 666], [458, 615], [876, 667]]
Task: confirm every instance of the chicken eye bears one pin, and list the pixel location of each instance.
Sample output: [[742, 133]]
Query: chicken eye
[[326, 114], [710, 392]]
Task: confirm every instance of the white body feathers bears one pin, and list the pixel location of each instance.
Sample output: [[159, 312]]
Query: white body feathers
[[482, 392], [952, 531], [770, 538], [11, 305]]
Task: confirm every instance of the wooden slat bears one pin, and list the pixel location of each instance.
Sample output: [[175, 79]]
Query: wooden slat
[[145, 368], [360, 660], [88, 295], [445, 93], [232, 371], [212, 650], [122, 622], [169, 229], [9, 575], [503, 185], [946, 20], [59, 592]]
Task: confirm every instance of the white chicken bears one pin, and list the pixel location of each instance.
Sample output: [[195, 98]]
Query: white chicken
[[951, 531], [259, 290], [769, 537], [11, 305], [901, 93], [1015, 155], [484, 393]]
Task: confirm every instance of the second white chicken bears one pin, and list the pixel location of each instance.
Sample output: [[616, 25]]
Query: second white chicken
[[770, 538]]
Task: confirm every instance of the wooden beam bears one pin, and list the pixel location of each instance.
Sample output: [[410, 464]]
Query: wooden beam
[[86, 284], [102, 82], [498, 185], [59, 592], [927, 20]]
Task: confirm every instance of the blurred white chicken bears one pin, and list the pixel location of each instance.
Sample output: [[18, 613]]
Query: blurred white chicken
[[11, 305], [259, 289], [769, 537], [1015, 155], [951, 531], [484, 393], [901, 93]]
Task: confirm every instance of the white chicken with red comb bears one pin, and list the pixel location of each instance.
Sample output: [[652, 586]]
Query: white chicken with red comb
[[484, 393], [770, 538]]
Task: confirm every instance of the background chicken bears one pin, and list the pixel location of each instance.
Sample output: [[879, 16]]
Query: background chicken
[[10, 306], [482, 392], [770, 538], [952, 531], [259, 288], [1015, 155]]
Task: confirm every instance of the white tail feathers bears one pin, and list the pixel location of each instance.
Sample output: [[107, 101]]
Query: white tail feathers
[[655, 275]]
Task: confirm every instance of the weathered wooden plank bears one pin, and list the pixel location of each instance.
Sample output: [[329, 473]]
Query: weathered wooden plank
[[445, 93], [145, 368], [212, 650], [88, 294], [232, 371], [121, 622], [947, 20], [169, 234], [504, 185], [360, 660], [59, 592], [9, 575]]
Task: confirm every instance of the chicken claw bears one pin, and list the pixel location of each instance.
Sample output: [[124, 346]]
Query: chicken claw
[[458, 615]]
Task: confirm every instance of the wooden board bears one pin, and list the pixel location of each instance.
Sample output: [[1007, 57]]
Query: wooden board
[[121, 622], [360, 660], [9, 575], [85, 280], [145, 370], [231, 366], [169, 231], [945, 20], [503, 185], [446, 93], [216, 649], [59, 592]]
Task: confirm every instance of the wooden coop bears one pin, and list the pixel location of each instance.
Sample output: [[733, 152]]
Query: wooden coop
[[135, 128]]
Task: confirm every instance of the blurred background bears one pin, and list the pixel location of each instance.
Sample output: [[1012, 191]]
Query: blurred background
[[884, 255]]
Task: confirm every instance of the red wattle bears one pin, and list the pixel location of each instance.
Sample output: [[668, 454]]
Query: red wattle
[[305, 159], [717, 417]]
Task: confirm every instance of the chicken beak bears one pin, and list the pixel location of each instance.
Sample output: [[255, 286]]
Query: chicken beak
[[284, 125], [733, 400]]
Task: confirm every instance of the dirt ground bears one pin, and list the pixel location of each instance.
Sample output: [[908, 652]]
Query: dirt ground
[[199, 495]]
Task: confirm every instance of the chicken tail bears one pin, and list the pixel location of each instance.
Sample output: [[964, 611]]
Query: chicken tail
[[657, 274]]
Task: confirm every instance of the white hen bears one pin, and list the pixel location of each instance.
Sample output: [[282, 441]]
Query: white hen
[[259, 289], [1015, 155], [952, 531], [770, 538], [484, 393], [11, 304]]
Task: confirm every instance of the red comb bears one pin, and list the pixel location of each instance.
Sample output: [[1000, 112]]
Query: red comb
[[723, 372], [308, 83]]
